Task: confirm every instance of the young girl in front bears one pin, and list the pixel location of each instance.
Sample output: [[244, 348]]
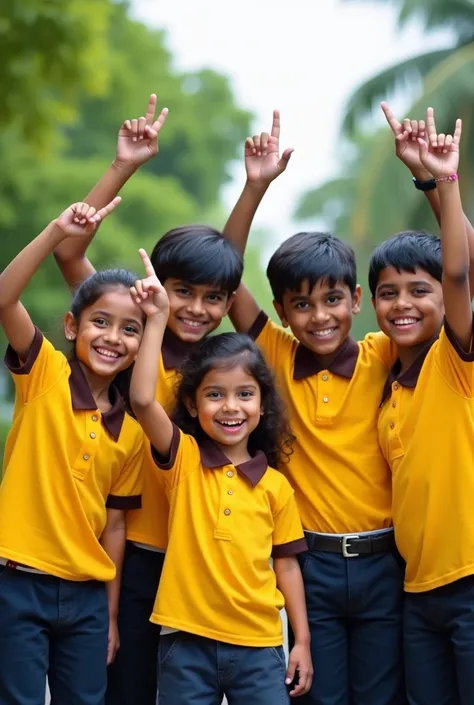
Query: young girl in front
[[230, 512], [71, 469]]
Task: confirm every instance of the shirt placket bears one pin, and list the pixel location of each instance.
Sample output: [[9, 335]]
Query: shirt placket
[[86, 455], [225, 515]]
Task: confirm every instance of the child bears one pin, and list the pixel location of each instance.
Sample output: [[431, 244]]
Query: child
[[71, 469], [426, 433], [352, 573], [200, 272], [218, 598]]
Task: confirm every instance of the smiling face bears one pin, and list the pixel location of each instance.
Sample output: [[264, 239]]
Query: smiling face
[[228, 406], [195, 309], [108, 333], [320, 319], [409, 306]]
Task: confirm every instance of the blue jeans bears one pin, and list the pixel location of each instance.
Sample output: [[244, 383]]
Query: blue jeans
[[132, 678], [52, 628], [198, 671], [355, 610], [439, 644]]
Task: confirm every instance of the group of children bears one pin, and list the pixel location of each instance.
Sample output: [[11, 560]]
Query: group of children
[[167, 492]]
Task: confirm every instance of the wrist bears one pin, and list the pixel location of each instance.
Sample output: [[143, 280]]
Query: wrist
[[421, 174], [257, 187], [124, 167]]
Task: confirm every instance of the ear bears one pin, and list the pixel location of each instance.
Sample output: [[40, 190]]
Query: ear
[[373, 303], [281, 314], [70, 326], [191, 407], [230, 301], [356, 300]]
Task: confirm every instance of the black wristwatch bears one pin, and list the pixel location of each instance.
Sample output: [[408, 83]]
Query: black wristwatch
[[424, 185]]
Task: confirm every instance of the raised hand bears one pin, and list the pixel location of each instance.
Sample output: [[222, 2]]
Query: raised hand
[[149, 293], [262, 155], [406, 139], [82, 220], [439, 154], [138, 138]]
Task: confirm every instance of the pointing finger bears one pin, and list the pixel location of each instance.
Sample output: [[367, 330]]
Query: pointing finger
[[276, 124], [150, 111], [457, 131], [104, 212], [160, 121], [431, 127], [391, 119], [150, 272]]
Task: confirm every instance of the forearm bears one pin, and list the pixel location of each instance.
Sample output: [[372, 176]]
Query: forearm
[[237, 228], [113, 542], [145, 370], [290, 583], [454, 243], [20, 271]]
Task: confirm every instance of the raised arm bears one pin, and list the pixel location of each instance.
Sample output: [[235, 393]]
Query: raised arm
[[441, 158], [152, 298], [78, 221], [137, 143], [406, 148], [263, 164]]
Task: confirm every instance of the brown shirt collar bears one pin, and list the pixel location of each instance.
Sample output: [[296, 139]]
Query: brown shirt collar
[[174, 350], [82, 400], [307, 364], [253, 469], [409, 378]]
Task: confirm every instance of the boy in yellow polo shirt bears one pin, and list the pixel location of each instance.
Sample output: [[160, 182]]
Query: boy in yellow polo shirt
[[200, 271], [426, 431], [352, 573]]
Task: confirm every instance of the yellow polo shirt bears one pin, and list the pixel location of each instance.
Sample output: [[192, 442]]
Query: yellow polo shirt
[[341, 480], [225, 524], [64, 463], [426, 430], [149, 525]]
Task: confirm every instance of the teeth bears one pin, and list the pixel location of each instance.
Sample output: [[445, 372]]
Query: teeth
[[404, 321], [193, 324], [323, 333], [231, 423], [107, 353]]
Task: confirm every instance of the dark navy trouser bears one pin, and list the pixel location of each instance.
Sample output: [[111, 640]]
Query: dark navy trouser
[[439, 644], [52, 628], [198, 671], [132, 678], [355, 608]]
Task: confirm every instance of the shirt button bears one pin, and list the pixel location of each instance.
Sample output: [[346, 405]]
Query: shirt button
[[324, 378], [95, 417], [395, 386], [85, 457], [227, 512], [230, 491], [392, 425], [394, 403], [325, 400], [92, 435], [230, 473]]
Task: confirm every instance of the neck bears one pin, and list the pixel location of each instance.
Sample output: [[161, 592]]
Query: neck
[[99, 387], [407, 356], [237, 454]]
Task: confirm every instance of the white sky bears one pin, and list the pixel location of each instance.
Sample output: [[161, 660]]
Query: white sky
[[304, 57]]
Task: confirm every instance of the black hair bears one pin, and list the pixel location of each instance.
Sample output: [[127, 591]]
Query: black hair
[[227, 350], [311, 257], [407, 251], [87, 294], [199, 255]]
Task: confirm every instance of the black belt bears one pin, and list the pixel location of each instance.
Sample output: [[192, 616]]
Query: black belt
[[351, 545]]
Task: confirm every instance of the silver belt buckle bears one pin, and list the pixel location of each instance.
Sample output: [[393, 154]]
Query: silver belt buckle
[[346, 541]]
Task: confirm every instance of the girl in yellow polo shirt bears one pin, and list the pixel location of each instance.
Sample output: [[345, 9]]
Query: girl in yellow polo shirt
[[219, 599], [71, 468]]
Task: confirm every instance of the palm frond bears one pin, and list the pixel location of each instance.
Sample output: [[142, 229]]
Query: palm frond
[[385, 83], [456, 14], [333, 194]]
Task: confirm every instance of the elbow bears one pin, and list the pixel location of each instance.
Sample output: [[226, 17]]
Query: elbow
[[458, 276], [141, 403]]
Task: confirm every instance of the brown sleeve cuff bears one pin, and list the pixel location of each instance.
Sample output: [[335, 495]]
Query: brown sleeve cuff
[[285, 550], [13, 362], [166, 463], [258, 325], [115, 501], [465, 356]]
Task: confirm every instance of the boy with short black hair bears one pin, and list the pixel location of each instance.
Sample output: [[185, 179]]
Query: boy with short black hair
[[426, 429], [200, 271], [332, 386]]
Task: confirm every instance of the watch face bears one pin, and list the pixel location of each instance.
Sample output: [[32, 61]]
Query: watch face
[[425, 185]]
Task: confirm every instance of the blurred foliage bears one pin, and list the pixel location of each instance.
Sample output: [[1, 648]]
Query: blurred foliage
[[67, 84], [378, 199]]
